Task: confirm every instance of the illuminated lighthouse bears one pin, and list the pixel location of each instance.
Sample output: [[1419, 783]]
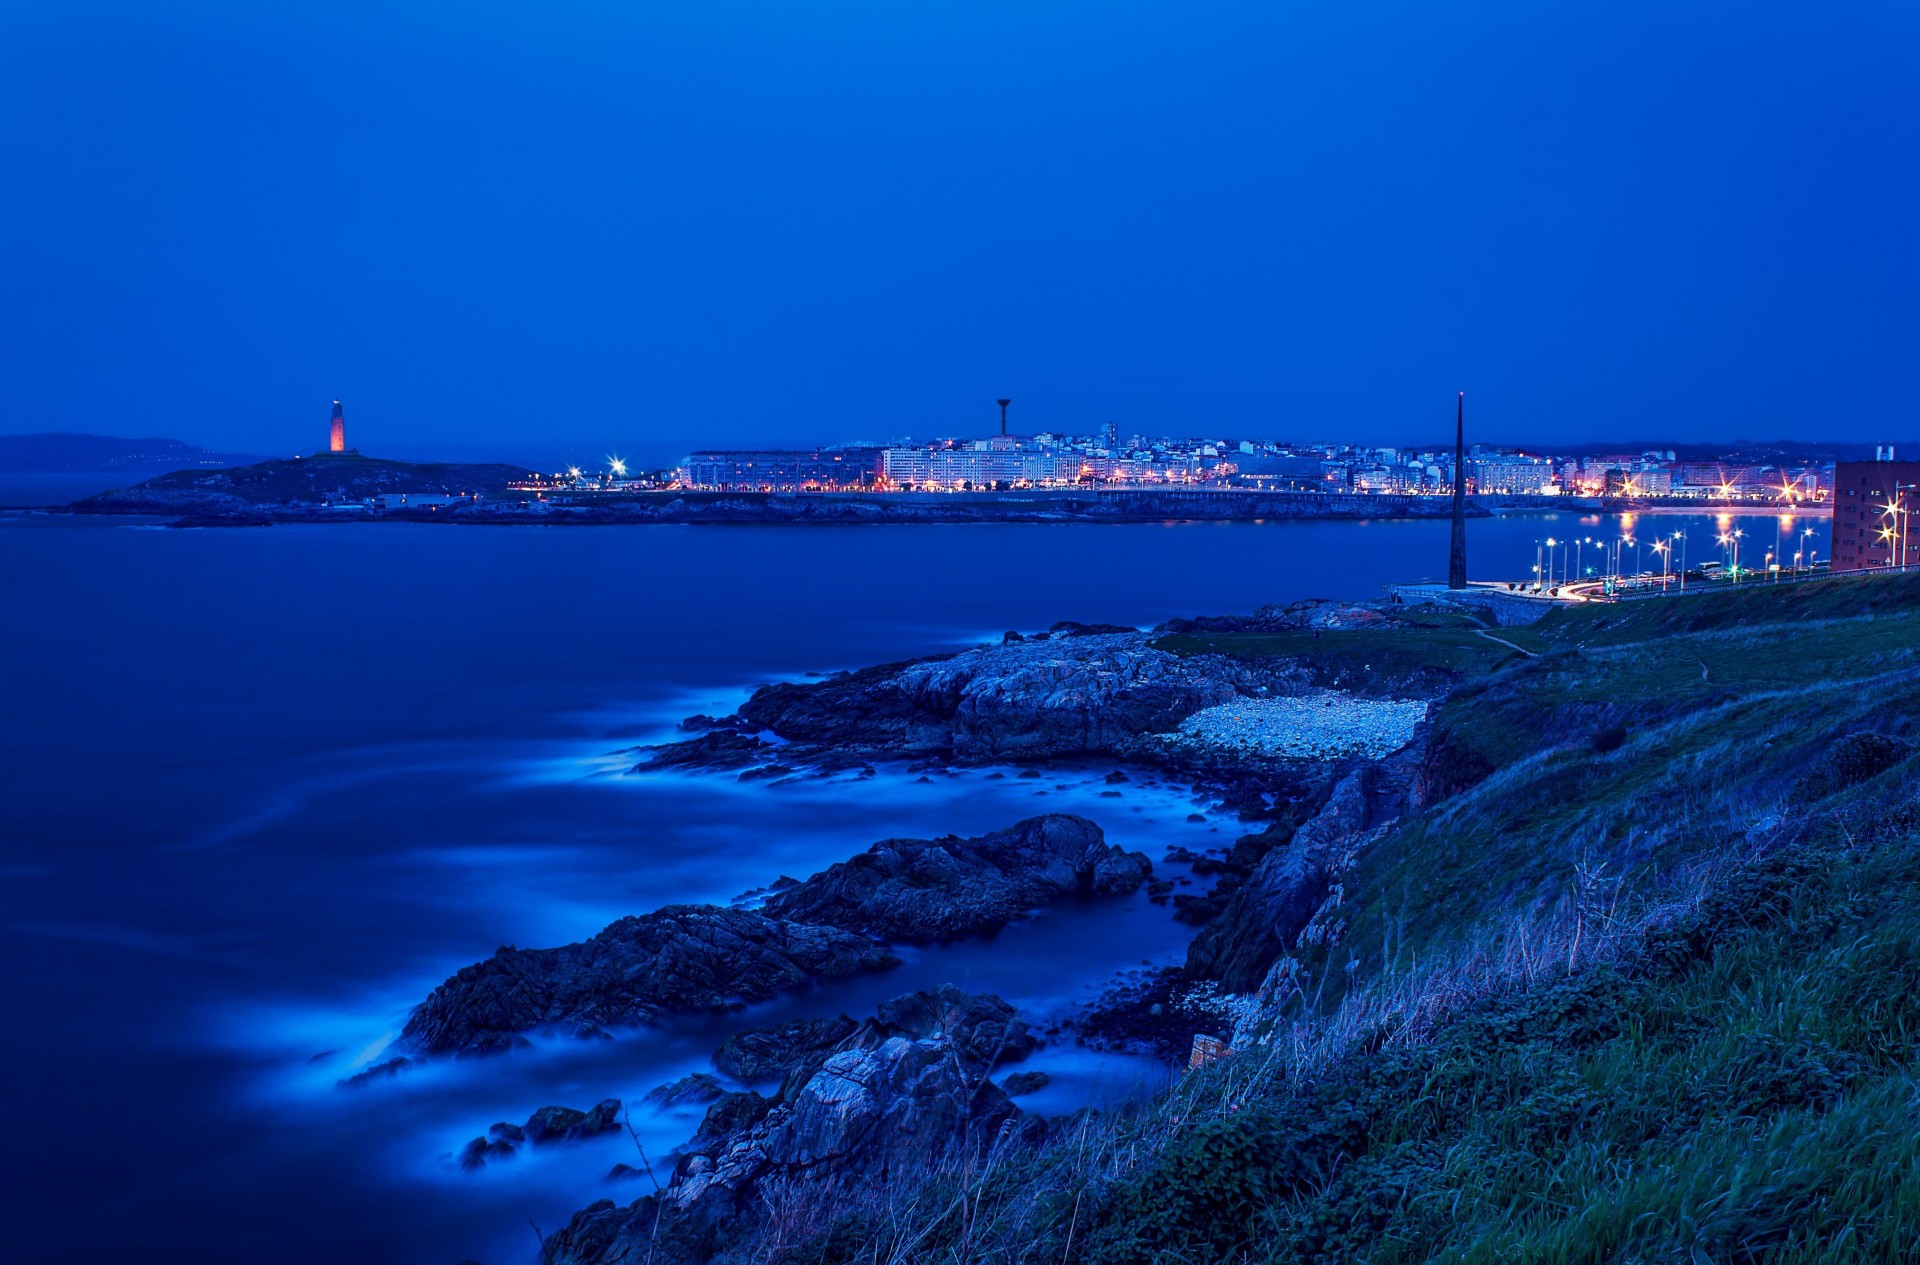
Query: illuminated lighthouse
[[337, 440]]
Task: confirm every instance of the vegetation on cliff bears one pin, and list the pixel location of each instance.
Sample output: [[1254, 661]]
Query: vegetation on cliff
[[1620, 963]]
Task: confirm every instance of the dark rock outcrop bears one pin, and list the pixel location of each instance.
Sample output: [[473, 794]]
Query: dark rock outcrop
[[547, 1125], [902, 1091], [691, 958], [763, 1054], [683, 958], [688, 1090], [937, 889], [565, 1124], [1265, 914], [1097, 692], [1021, 1083]]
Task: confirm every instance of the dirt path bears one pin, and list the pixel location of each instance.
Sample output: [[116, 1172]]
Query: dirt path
[[1508, 644]]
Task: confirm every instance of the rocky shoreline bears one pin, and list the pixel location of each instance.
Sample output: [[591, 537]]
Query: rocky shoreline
[[912, 1085]]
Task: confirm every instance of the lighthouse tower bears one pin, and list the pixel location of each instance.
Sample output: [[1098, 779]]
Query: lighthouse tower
[[337, 440]]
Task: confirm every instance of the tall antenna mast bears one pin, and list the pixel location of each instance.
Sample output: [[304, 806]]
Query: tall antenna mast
[[1457, 555]]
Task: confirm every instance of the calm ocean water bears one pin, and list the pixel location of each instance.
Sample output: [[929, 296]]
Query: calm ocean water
[[264, 788]]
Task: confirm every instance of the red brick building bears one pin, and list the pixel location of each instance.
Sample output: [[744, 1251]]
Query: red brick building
[[1873, 502]]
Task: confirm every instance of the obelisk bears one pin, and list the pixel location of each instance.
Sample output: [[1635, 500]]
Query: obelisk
[[1457, 556]]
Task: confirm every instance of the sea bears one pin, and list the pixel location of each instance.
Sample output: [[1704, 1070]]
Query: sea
[[262, 789]]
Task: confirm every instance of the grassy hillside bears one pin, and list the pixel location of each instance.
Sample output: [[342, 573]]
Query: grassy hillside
[[1640, 982], [301, 480]]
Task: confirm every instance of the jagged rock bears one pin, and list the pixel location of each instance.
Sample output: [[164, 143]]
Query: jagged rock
[[476, 1153], [625, 1173], [1264, 915], [762, 1054], [1095, 691], [937, 889], [689, 958], [732, 1113], [385, 1070], [905, 1089], [1196, 911], [507, 1131], [684, 958], [910, 1082], [1019, 1084], [697, 1088], [564, 1124]]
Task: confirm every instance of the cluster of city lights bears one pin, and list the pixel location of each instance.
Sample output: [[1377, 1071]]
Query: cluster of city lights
[[1613, 570]]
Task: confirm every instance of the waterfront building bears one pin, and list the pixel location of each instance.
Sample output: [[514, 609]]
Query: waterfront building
[[1873, 502], [1509, 474], [1638, 480], [785, 470]]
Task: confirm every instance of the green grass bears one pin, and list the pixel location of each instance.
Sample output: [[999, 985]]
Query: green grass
[[1733, 1079], [1358, 657], [1741, 1090], [1747, 606]]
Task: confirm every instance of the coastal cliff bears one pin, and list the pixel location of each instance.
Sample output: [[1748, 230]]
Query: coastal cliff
[[1595, 882]]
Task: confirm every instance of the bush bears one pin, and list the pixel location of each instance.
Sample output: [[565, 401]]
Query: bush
[[1849, 761]]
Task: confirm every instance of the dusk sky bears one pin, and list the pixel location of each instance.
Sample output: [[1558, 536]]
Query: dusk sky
[[648, 225]]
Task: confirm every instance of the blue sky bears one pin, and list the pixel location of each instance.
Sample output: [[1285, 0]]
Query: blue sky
[[642, 225]]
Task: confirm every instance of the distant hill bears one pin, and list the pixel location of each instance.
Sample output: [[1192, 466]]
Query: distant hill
[[60, 453], [316, 480]]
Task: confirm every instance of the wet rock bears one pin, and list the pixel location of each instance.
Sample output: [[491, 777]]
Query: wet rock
[[1196, 911], [681, 959], [764, 1054], [688, 1090], [733, 1112], [905, 1090], [379, 1071], [1020, 1084], [910, 1083], [1096, 691], [476, 1153], [565, 1124], [506, 1131], [924, 890], [1264, 916]]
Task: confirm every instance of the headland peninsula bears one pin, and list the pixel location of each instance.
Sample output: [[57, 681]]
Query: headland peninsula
[[1502, 898]]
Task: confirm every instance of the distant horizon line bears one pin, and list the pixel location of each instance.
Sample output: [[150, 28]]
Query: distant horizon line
[[691, 444]]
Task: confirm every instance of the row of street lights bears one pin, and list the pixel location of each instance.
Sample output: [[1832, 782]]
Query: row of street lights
[[1613, 552]]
